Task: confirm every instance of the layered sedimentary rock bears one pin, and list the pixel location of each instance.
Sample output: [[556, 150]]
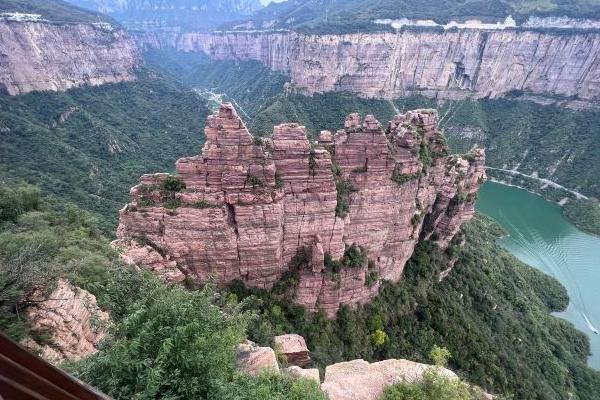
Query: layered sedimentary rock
[[52, 56], [333, 218], [70, 317], [446, 64]]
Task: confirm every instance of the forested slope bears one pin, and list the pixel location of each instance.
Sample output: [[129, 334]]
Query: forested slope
[[89, 145]]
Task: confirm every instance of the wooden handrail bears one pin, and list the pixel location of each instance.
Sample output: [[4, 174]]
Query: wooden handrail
[[26, 376]]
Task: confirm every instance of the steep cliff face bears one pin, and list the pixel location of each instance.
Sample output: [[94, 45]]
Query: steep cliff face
[[338, 217], [52, 56], [450, 64]]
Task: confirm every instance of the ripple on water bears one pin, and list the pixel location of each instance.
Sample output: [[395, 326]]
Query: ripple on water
[[540, 236]]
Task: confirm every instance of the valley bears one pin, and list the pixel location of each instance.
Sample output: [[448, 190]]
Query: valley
[[307, 200]]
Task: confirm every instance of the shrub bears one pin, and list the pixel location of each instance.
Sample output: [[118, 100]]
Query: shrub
[[354, 256], [439, 355], [425, 154], [344, 188], [331, 264], [372, 277], [205, 204], [400, 178], [255, 181], [378, 338], [170, 343], [271, 386], [433, 386], [172, 204], [278, 181], [172, 184]]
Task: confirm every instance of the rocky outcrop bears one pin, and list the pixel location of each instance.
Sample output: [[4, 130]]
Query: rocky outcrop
[[293, 347], [360, 380], [71, 319], [448, 64], [332, 220], [53, 56], [349, 380], [252, 359], [308, 373]]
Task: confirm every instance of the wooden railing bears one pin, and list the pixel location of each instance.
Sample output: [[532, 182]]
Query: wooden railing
[[26, 376]]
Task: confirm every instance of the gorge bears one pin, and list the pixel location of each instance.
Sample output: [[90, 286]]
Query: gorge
[[553, 67]]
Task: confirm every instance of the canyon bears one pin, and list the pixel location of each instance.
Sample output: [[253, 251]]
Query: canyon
[[556, 66], [45, 55], [330, 220]]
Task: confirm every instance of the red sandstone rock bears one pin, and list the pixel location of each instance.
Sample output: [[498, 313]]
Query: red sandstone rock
[[252, 359], [73, 319], [249, 206], [359, 380], [293, 347]]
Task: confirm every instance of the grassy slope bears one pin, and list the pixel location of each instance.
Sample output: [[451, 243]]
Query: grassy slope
[[115, 133]]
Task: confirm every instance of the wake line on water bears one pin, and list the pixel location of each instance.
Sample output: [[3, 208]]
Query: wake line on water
[[589, 324], [543, 180]]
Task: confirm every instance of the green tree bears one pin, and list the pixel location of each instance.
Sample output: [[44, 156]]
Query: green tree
[[170, 344], [439, 355]]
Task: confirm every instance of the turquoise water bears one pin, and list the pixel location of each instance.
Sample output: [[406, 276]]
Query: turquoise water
[[540, 236]]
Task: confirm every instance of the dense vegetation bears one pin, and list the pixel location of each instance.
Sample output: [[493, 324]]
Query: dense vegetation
[[53, 10], [492, 313], [90, 145], [585, 214], [343, 15], [165, 342], [39, 242]]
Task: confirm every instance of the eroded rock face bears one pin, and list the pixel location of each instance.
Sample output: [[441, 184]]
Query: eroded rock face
[[293, 347], [339, 216], [360, 380], [72, 319], [54, 56], [452, 64]]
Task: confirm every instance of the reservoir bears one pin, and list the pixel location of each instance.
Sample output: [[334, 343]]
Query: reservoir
[[540, 236]]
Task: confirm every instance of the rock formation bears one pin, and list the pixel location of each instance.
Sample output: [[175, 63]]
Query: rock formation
[[331, 221], [349, 380], [293, 347], [57, 56], [252, 359], [360, 380], [448, 64], [72, 319]]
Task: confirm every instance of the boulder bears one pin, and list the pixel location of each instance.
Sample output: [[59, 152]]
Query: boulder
[[297, 372], [252, 359], [293, 347]]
